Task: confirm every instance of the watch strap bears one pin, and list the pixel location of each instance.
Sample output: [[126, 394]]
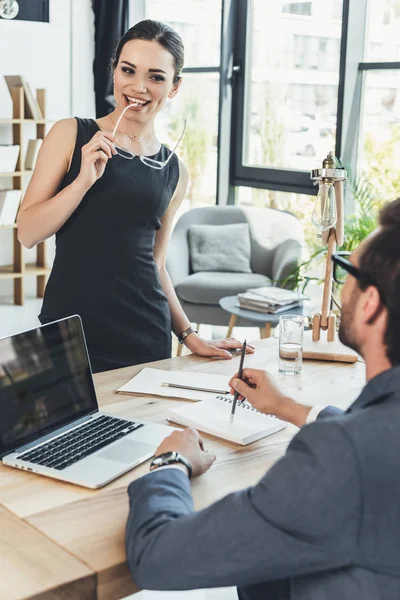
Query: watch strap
[[185, 334], [171, 458]]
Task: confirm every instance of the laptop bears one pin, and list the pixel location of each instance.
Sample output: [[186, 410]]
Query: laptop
[[50, 421]]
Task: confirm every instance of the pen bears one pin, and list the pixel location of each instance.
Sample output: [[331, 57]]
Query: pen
[[194, 388], [240, 372]]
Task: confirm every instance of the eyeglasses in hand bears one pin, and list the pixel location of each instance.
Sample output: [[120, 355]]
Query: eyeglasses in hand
[[146, 160]]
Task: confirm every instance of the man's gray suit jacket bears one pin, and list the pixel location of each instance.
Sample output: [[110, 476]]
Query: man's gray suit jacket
[[325, 519]]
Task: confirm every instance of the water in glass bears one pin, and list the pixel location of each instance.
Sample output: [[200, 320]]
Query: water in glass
[[290, 358]]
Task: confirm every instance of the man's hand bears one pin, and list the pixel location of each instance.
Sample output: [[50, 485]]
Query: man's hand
[[188, 443], [259, 390]]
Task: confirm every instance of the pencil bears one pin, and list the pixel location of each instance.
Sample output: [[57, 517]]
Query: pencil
[[194, 388], [240, 372]]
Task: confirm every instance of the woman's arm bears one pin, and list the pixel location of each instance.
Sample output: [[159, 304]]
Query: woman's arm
[[44, 209], [180, 322]]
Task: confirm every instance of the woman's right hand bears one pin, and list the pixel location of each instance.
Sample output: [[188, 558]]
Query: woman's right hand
[[95, 155]]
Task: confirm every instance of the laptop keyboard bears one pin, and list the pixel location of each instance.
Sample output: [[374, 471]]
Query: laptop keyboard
[[67, 449]]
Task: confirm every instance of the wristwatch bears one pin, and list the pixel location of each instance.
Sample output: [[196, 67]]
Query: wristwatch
[[185, 333], [170, 458]]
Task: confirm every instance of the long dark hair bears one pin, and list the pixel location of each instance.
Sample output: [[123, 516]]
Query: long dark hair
[[155, 31]]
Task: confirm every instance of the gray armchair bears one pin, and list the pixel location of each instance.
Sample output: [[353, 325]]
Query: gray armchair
[[276, 243]]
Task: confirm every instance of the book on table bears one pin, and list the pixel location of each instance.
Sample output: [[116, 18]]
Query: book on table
[[270, 299], [213, 417]]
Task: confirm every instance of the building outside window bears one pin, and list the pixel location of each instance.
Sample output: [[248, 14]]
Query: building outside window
[[297, 8], [292, 86], [199, 24], [379, 143], [290, 98]]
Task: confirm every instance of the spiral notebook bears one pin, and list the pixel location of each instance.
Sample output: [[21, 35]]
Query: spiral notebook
[[212, 416]]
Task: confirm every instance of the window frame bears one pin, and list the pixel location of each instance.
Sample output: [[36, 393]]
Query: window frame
[[232, 120], [137, 12], [279, 179]]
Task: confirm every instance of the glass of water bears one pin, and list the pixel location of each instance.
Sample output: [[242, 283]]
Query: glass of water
[[291, 329]]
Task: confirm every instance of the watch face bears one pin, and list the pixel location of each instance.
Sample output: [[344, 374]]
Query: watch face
[[168, 455]]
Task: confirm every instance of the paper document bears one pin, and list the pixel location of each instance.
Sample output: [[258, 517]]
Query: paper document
[[150, 381], [212, 416]]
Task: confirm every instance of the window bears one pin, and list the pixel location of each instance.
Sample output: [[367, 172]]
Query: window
[[290, 91], [297, 8], [292, 95], [199, 24], [336, 10], [383, 30], [300, 205], [379, 143], [197, 102], [311, 52], [380, 137]]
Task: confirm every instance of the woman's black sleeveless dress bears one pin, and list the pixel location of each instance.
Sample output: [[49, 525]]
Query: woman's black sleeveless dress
[[104, 269]]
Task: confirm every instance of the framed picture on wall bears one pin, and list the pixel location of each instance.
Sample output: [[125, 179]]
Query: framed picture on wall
[[25, 10]]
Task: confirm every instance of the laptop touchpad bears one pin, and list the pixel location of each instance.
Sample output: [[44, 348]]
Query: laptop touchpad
[[127, 451]]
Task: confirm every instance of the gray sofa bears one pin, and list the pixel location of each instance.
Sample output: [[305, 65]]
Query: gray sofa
[[276, 239]]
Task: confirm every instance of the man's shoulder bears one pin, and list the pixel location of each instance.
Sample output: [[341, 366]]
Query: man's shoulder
[[326, 441], [356, 432]]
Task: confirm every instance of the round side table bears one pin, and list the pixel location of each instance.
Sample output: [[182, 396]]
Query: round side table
[[265, 320]]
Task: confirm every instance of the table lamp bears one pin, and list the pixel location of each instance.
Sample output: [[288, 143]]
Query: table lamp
[[328, 218]]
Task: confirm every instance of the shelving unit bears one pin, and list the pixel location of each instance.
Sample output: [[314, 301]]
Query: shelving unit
[[19, 269]]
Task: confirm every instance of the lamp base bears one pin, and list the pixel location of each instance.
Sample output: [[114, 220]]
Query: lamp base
[[323, 350]]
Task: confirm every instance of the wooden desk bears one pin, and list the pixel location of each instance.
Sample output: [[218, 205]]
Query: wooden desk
[[59, 541]]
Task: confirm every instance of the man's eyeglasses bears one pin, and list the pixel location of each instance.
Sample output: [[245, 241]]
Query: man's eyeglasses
[[342, 266], [146, 160]]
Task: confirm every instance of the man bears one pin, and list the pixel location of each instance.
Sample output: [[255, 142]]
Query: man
[[324, 522]]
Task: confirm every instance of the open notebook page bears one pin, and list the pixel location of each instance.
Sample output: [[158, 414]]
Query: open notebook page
[[212, 416], [149, 381]]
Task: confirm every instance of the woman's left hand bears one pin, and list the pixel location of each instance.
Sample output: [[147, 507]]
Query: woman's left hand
[[214, 348]]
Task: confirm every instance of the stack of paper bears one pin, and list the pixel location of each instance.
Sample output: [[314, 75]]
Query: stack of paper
[[9, 204], [270, 299]]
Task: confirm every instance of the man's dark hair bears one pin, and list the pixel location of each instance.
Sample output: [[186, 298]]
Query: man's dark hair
[[381, 260], [155, 31]]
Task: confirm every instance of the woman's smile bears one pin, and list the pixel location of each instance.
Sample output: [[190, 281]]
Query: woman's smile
[[135, 103]]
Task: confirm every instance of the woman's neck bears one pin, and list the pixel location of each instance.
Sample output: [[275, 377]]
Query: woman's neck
[[132, 129]]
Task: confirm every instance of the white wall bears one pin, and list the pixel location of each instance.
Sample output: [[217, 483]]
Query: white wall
[[57, 56]]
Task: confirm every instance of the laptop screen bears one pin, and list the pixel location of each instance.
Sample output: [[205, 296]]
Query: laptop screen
[[45, 382]]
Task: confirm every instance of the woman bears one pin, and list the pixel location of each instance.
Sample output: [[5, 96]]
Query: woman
[[112, 216]]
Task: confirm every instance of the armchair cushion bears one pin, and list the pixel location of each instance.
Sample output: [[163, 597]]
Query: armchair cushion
[[207, 287], [220, 248]]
